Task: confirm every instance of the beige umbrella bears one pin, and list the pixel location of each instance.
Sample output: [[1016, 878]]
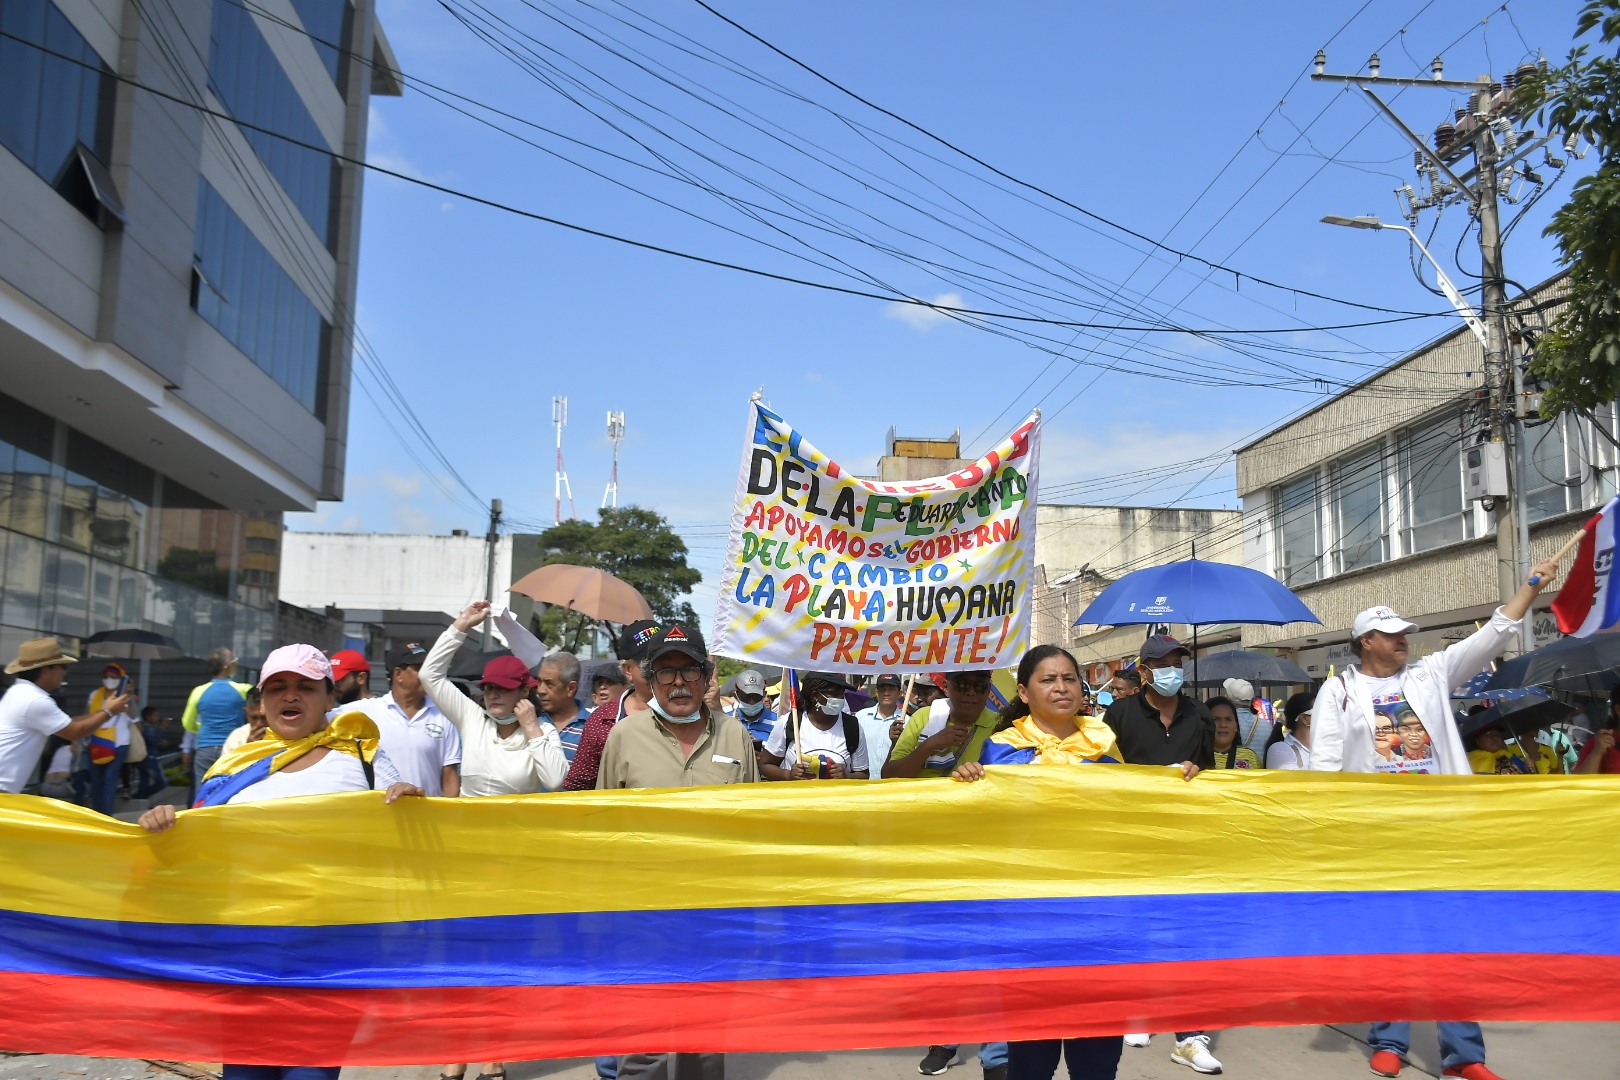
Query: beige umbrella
[[587, 590]]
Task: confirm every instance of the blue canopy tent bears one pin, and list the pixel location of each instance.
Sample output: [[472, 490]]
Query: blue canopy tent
[[1196, 592]]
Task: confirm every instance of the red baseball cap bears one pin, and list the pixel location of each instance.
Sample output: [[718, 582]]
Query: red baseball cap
[[507, 672], [346, 662]]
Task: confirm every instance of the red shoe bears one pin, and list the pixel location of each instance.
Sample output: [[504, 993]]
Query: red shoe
[[1474, 1070], [1385, 1063]]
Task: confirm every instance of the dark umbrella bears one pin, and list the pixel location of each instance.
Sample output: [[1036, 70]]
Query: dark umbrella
[[1591, 664], [132, 645], [1522, 714], [1261, 669]]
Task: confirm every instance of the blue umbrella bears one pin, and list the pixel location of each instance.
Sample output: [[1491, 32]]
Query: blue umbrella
[[1196, 592]]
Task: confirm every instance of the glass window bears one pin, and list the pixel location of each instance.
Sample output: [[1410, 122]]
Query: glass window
[[244, 74], [29, 434], [1358, 507], [25, 582], [328, 24], [48, 103], [1299, 534], [258, 307], [1552, 485], [1431, 483]]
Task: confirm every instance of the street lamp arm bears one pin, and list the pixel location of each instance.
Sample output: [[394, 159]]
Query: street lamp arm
[[1458, 301]]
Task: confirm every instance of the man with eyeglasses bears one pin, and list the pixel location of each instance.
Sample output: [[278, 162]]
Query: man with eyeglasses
[[677, 741], [949, 732]]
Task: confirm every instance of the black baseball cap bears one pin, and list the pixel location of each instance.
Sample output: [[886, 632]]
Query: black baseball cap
[[1162, 645], [410, 654], [837, 682], [677, 638], [888, 680], [635, 637]]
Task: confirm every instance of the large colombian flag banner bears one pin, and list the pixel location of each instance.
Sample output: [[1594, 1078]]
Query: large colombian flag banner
[[1049, 901]]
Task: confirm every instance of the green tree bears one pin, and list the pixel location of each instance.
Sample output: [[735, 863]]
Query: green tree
[[631, 543], [1578, 360]]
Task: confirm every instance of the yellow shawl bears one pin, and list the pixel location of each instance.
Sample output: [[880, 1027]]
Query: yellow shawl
[[1091, 740]]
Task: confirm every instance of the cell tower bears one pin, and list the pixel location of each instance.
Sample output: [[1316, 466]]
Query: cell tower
[[559, 418], [610, 497]]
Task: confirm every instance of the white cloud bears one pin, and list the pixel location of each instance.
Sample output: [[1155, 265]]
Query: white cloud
[[924, 318], [446, 207], [403, 487], [412, 518]]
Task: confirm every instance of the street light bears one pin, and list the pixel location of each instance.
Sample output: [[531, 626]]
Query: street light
[[1464, 308]]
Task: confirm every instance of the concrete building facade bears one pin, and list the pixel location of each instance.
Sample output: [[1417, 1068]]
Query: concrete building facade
[[1362, 501], [176, 303]]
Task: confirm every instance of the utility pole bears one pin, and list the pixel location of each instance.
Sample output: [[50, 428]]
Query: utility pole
[[559, 417], [490, 540], [615, 422], [1488, 127]]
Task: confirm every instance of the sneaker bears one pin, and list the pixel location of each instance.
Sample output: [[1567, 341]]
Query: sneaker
[[998, 1072], [1138, 1041], [1385, 1063], [1474, 1070], [1194, 1053], [938, 1059]]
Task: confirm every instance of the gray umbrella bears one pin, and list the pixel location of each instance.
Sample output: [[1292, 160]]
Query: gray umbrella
[[1262, 669]]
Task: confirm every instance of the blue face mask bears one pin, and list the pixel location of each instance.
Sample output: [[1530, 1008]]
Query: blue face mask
[[750, 710], [1167, 681], [1105, 699]]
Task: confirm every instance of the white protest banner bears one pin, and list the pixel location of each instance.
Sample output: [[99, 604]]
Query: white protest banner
[[825, 571]]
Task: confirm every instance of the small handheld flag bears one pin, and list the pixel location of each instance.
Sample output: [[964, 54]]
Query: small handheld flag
[[1589, 602]]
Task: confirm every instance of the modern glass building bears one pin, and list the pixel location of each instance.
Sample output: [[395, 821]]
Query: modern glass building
[[176, 296]]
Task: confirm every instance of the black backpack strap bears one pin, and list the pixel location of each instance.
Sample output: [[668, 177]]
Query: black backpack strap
[[852, 735], [367, 767]]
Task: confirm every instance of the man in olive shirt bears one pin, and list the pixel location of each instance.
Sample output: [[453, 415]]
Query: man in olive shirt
[[677, 742]]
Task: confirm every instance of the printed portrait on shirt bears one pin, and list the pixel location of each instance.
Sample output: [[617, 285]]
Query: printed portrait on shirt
[[1402, 741]]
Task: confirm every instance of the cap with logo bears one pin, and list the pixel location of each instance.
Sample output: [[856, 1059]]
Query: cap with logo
[[888, 680], [749, 682], [635, 637], [676, 638], [304, 660], [1382, 619], [1161, 645], [346, 662], [410, 654]]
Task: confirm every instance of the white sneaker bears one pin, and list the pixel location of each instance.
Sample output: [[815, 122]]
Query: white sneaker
[[1138, 1041], [1194, 1053]]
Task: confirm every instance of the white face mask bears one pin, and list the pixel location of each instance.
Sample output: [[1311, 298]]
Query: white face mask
[[833, 706], [750, 709], [111, 684]]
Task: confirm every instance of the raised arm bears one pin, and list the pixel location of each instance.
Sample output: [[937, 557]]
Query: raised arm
[[456, 706]]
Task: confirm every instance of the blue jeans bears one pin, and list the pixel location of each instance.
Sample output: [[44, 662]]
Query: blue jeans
[[1461, 1041], [281, 1072], [607, 1068], [990, 1054], [1088, 1059], [104, 783], [150, 775]]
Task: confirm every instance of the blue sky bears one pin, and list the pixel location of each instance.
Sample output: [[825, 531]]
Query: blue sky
[[1187, 123]]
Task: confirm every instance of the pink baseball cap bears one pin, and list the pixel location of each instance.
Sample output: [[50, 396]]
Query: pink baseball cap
[[305, 660]]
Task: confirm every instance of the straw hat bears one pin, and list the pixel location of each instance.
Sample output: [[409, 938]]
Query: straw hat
[[37, 653]]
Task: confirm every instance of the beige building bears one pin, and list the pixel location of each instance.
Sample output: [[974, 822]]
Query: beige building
[[1362, 501]]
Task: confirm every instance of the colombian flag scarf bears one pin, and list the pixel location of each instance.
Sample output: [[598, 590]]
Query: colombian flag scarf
[[351, 733], [104, 741], [1091, 740]]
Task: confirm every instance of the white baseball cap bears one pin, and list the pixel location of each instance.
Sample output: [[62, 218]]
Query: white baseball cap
[[1382, 619]]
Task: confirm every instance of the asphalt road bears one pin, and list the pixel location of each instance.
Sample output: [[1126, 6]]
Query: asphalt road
[[1515, 1051]]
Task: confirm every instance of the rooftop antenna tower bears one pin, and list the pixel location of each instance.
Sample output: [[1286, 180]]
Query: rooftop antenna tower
[[559, 419], [615, 422]]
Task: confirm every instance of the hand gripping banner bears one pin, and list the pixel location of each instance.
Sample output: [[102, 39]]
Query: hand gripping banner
[[1041, 902], [831, 572]]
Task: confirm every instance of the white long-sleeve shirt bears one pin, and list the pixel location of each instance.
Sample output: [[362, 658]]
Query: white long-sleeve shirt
[[1342, 719], [490, 765]]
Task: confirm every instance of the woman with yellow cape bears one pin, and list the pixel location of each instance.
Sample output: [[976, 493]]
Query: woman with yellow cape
[[1046, 724]]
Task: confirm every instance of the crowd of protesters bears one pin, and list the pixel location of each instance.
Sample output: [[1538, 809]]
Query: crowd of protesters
[[662, 717]]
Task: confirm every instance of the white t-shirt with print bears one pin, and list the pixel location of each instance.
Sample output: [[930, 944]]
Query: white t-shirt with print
[[1400, 740], [333, 773], [830, 742]]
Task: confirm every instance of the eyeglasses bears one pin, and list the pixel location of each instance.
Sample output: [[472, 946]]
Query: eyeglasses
[[974, 686], [666, 676]]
